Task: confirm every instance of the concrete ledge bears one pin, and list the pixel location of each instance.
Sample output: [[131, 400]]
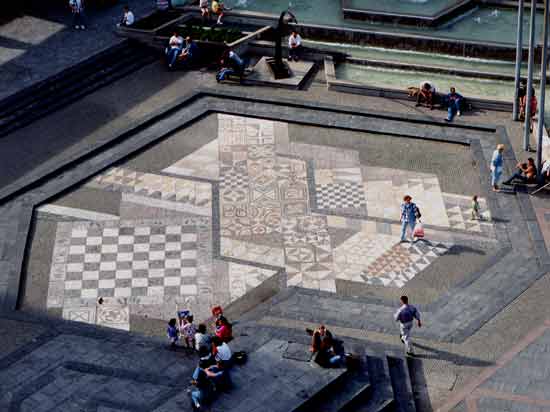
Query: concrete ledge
[[348, 86], [396, 17]]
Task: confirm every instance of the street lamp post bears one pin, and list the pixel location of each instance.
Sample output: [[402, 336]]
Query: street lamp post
[[527, 130], [519, 58], [544, 59]]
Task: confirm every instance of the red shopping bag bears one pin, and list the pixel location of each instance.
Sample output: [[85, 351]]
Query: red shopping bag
[[418, 230]]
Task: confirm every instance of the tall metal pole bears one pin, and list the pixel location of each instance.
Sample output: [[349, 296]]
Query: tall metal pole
[[527, 129], [519, 58], [544, 58]]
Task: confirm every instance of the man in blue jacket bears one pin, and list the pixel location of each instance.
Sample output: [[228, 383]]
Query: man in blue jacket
[[453, 101]]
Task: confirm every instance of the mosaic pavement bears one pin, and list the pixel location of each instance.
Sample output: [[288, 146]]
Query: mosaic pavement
[[220, 221]]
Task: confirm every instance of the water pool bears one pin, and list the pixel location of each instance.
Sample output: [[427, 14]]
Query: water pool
[[401, 79], [418, 7], [485, 24], [422, 58]]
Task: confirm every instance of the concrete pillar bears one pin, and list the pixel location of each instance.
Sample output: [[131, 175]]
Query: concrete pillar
[[532, 21], [519, 58], [544, 58]]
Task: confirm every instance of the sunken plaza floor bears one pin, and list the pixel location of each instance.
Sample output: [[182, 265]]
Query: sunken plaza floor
[[282, 207]]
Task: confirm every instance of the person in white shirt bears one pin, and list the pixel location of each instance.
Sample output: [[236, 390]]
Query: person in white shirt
[[294, 46], [426, 93], [128, 17], [205, 10], [222, 352], [174, 49], [77, 8]]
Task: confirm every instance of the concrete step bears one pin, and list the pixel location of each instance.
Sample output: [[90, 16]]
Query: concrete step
[[80, 80], [382, 398], [39, 90], [401, 383], [352, 390]]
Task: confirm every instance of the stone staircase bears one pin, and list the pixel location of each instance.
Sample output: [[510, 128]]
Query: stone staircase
[[71, 84], [381, 383]]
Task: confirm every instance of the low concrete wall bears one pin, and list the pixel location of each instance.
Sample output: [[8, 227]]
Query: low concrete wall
[[254, 297], [435, 69], [241, 46], [387, 39], [347, 86]]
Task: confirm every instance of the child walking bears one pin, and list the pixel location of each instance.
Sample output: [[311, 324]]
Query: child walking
[[188, 330], [476, 209]]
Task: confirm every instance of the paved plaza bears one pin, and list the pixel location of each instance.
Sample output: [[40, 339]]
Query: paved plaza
[[188, 225], [283, 207]]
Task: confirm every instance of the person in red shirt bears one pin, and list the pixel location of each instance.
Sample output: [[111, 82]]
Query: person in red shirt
[[523, 105], [223, 329]]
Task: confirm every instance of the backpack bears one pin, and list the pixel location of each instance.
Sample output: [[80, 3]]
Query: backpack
[[240, 358], [417, 212]]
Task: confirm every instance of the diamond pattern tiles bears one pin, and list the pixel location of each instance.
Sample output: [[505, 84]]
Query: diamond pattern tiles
[[155, 186], [402, 262]]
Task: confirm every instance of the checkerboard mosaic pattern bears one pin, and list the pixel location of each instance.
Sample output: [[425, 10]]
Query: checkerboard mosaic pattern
[[340, 196], [125, 259]]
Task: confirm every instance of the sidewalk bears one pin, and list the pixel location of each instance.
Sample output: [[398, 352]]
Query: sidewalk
[[40, 44]]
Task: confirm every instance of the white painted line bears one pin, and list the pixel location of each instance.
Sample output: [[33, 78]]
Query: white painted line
[[74, 212]]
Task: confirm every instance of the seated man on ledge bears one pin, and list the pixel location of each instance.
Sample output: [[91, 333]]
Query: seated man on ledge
[[426, 93], [189, 53], [544, 172], [453, 100], [231, 64], [526, 173], [175, 47]]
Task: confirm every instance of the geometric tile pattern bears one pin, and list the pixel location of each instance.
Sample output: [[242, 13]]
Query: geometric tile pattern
[[385, 188], [124, 261], [154, 185], [402, 262], [203, 163], [353, 256], [243, 278], [459, 211], [340, 196], [157, 255]]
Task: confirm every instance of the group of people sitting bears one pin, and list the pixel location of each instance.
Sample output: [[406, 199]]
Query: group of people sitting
[[217, 8], [527, 173], [453, 101], [215, 357], [183, 52]]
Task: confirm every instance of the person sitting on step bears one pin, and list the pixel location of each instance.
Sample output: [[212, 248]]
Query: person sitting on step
[[525, 173], [326, 351], [426, 93]]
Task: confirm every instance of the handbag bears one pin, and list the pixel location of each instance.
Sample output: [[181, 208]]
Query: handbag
[[418, 230]]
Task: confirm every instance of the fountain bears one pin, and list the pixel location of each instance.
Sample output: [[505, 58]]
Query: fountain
[[411, 12], [278, 67]]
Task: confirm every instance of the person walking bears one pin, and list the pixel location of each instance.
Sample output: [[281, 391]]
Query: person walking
[[77, 8], [406, 315], [496, 167], [409, 214]]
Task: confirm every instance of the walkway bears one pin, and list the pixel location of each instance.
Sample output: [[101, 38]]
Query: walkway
[[39, 148], [42, 43]]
